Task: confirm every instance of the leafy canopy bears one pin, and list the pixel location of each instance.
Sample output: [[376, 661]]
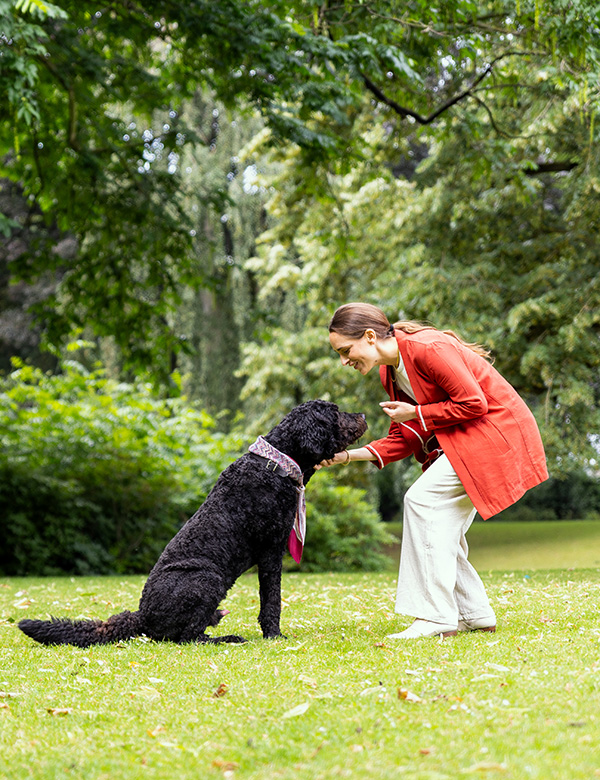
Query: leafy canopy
[[94, 131]]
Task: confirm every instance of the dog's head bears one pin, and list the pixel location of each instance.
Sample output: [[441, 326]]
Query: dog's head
[[315, 431]]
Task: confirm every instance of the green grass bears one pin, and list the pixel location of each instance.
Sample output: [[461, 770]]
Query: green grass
[[521, 703], [502, 546]]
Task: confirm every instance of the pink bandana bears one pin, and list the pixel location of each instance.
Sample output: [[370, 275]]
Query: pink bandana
[[292, 469]]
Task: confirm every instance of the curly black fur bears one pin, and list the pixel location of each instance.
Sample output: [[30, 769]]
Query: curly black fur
[[245, 521]]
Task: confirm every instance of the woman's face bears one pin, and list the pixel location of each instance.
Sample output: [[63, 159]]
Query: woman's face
[[361, 354]]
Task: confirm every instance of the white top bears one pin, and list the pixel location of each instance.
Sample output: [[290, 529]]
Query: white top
[[401, 378]]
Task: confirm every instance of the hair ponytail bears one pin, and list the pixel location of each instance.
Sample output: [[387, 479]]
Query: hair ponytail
[[353, 319], [410, 326]]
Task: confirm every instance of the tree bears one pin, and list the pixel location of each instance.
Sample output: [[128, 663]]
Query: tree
[[478, 217], [94, 131], [468, 130]]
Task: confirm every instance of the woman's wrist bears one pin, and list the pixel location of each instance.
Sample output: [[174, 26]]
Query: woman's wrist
[[362, 453]]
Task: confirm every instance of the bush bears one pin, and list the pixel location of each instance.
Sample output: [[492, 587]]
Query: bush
[[343, 531], [95, 475], [574, 496]]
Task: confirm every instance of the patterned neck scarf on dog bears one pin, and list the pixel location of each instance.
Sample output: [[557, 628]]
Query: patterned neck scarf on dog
[[292, 469]]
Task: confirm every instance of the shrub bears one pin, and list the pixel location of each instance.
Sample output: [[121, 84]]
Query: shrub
[[97, 475], [344, 532]]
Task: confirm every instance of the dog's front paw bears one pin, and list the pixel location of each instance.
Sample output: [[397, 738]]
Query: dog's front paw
[[274, 636]]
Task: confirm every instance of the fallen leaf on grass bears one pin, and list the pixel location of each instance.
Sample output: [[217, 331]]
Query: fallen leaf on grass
[[484, 766], [146, 692], [498, 667], [427, 751], [57, 712], [156, 730], [295, 711], [307, 680], [221, 691], [357, 748], [374, 689], [404, 693], [225, 766], [382, 646], [4, 706]]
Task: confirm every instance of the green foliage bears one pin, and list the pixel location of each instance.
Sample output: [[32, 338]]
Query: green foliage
[[478, 221], [94, 130], [440, 161], [344, 532], [573, 496], [96, 475]]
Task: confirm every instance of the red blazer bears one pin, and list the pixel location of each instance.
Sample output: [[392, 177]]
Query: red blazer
[[482, 424], [404, 439]]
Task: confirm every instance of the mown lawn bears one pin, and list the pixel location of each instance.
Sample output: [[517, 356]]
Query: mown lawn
[[502, 546], [325, 703]]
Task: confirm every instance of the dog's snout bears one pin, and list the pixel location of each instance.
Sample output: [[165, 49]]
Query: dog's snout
[[364, 416]]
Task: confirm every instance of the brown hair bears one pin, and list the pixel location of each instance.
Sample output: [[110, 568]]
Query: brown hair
[[353, 319]]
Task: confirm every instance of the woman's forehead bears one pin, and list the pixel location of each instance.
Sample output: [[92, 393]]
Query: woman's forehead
[[338, 341]]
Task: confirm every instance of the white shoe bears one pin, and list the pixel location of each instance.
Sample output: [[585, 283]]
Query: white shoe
[[478, 624], [425, 628]]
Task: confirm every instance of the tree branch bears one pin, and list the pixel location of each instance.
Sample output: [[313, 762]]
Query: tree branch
[[551, 167], [491, 116], [72, 139], [406, 112]]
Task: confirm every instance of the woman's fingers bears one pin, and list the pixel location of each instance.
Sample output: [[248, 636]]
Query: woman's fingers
[[339, 457]]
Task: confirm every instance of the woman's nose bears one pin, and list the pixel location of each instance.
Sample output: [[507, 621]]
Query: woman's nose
[[344, 360]]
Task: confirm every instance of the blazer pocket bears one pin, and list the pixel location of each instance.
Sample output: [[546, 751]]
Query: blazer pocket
[[492, 434]]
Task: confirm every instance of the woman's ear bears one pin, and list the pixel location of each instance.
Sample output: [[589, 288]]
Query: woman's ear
[[370, 335]]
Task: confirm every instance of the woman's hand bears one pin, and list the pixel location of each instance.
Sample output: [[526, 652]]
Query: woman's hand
[[399, 411], [339, 457]]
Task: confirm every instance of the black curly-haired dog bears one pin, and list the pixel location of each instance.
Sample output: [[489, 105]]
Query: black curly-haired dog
[[245, 521]]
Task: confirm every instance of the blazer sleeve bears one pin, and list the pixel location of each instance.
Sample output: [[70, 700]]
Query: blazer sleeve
[[395, 446], [443, 365]]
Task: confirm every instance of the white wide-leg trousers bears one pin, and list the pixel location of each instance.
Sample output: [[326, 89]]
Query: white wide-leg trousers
[[436, 582]]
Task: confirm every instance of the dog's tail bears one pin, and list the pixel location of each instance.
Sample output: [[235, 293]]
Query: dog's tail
[[83, 633]]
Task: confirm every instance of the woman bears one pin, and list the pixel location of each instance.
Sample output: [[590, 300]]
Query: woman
[[479, 445]]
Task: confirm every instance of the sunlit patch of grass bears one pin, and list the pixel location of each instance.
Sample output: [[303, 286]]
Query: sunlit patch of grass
[[502, 546], [322, 703]]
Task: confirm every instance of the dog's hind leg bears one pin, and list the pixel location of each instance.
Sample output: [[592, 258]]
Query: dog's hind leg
[[191, 636], [218, 615], [215, 640], [194, 632]]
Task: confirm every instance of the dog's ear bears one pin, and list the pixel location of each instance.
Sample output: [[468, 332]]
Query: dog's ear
[[317, 431], [310, 433]]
